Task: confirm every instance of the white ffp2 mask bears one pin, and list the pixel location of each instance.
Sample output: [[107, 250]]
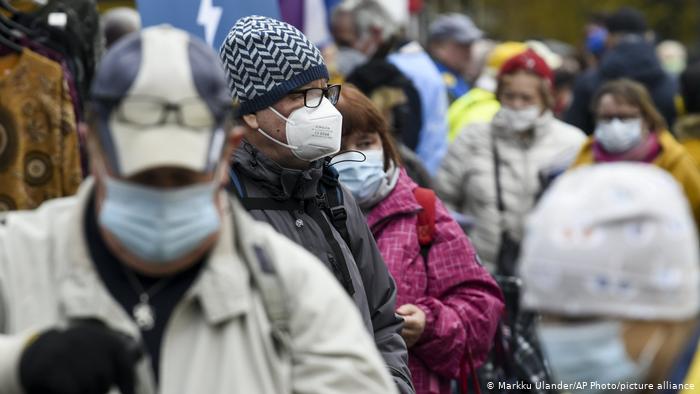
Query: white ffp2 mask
[[312, 133]]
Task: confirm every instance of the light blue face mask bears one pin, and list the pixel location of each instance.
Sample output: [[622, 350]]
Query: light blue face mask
[[159, 225], [595, 352], [362, 178]]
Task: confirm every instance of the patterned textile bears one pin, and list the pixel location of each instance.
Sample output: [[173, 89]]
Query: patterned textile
[[461, 301], [39, 157], [265, 58]]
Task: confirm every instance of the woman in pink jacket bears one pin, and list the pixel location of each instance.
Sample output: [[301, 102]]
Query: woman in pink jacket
[[450, 304]]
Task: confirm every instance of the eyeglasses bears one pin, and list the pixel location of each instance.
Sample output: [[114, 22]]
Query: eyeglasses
[[148, 111], [314, 96]]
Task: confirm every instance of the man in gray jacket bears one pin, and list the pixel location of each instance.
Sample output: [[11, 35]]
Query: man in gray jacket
[[152, 279], [281, 171]]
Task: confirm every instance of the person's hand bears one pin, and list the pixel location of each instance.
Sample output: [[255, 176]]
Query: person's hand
[[85, 358], [414, 323]]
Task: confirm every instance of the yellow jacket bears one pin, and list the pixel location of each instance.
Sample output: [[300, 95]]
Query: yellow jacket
[[476, 106], [687, 128], [673, 158]]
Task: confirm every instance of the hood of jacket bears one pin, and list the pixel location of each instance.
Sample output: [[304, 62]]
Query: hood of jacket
[[634, 59], [401, 201], [688, 127], [281, 183]]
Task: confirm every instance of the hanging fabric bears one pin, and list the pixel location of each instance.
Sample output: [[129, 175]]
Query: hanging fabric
[[47, 59]]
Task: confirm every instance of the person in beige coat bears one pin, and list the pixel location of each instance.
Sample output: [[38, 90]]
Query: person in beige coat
[[152, 279], [531, 145]]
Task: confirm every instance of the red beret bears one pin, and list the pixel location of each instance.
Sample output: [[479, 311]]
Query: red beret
[[528, 61]]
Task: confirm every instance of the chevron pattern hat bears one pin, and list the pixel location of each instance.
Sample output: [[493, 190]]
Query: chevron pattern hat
[[265, 58]]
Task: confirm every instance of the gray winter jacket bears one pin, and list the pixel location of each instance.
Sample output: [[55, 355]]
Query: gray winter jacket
[[374, 289]]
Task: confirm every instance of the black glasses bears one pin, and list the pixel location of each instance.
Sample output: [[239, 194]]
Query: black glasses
[[148, 111], [314, 96]]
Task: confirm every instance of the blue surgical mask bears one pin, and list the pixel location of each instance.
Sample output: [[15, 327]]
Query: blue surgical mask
[[364, 178], [617, 136], [594, 352], [159, 225]]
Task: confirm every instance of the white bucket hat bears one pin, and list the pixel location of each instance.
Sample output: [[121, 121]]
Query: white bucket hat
[[615, 240]]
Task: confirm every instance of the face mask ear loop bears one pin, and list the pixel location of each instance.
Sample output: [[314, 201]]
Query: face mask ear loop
[[293, 147], [364, 157], [268, 136], [282, 116]]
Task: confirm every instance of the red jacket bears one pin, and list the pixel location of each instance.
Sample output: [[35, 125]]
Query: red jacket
[[461, 301]]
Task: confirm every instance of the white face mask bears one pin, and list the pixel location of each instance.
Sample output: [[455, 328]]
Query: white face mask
[[312, 133], [517, 120], [617, 135]]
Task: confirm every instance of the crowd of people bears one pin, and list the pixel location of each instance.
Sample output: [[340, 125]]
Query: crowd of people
[[371, 215]]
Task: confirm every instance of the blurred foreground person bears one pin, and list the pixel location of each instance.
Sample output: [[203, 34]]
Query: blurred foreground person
[[450, 304], [151, 277], [630, 129], [280, 172], [494, 171], [610, 258]]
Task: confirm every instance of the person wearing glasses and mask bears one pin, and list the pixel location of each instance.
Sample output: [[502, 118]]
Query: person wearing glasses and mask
[[281, 171], [152, 279], [629, 128]]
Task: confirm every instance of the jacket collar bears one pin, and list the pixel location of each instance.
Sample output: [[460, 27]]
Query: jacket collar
[[283, 183], [222, 288], [401, 201]]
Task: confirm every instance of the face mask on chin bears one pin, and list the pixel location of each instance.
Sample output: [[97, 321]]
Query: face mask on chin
[[517, 120], [312, 133], [159, 225]]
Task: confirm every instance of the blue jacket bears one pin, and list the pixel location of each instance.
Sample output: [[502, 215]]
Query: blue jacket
[[635, 59], [417, 65]]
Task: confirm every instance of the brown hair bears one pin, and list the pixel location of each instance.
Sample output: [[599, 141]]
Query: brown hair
[[544, 87], [361, 115], [635, 94]]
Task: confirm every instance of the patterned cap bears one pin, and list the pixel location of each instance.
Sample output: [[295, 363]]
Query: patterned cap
[[264, 59], [612, 240], [158, 65]]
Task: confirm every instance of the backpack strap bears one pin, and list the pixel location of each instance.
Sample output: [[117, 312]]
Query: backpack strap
[[237, 187], [332, 201], [426, 219]]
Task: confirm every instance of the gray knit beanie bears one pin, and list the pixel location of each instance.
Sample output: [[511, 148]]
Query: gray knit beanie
[[264, 59]]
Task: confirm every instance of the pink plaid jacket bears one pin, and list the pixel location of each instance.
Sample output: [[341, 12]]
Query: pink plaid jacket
[[461, 301]]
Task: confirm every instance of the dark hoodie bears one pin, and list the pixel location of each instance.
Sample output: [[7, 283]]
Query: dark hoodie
[[634, 58]]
